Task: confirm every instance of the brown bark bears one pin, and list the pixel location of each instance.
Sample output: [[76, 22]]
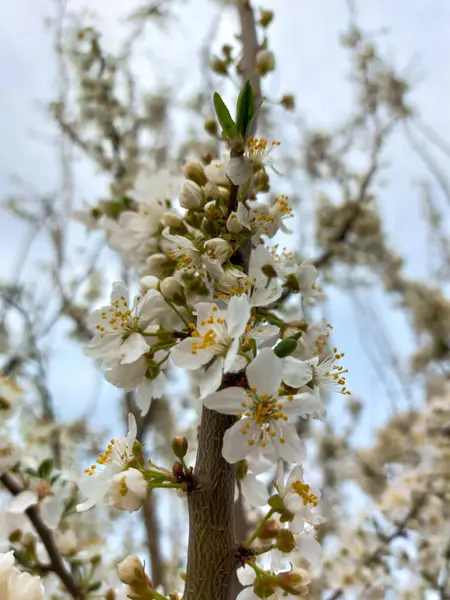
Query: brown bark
[[211, 565]]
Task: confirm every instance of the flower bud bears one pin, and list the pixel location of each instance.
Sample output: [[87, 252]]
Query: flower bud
[[218, 248], [224, 193], [128, 490], [270, 530], [159, 265], [265, 62], [67, 542], [233, 223], [110, 595], [195, 171], [211, 126], [131, 570], [261, 181], [191, 195], [266, 17], [212, 191], [180, 446], [149, 282], [219, 66], [170, 219], [294, 582], [288, 102], [286, 541], [265, 587], [15, 536], [172, 289], [276, 501]]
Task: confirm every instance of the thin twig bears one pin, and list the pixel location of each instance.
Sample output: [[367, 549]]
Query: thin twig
[[57, 564]]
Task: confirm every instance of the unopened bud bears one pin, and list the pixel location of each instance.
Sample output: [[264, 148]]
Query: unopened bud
[[159, 265], [195, 171], [265, 62], [286, 541], [175, 596], [276, 501], [172, 289], [219, 66], [170, 219], [28, 540], [15, 536], [266, 17], [233, 223], [265, 587], [211, 126], [180, 446], [191, 195], [131, 570], [212, 191], [294, 582], [110, 595], [261, 181], [269, 271], [149, 282], [270, 530], [288, 102]]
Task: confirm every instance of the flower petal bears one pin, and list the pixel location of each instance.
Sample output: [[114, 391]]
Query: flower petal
[[144, 396], [254, 491], [246, 575], [133, 348], [230, 358], [296, 373], [22, 501], [119, 289], [212, 378], [235, 441], [238, 315], [304, 404], [310, 549], [227, 401], [264, 373], [292, 448], [183, 356]]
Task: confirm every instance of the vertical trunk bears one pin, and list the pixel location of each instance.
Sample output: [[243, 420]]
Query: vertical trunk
[[211, 567], [211, 531]]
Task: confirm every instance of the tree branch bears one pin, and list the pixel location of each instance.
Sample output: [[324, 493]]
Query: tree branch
[[57, 564]]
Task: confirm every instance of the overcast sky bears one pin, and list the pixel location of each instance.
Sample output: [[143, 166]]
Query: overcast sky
[[312, 66]]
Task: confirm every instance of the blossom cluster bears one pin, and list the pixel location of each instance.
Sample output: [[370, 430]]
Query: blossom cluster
[[204, 308]]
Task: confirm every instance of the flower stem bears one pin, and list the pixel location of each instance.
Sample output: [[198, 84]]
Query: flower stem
[[168, 485], [177, 312], [154, 595], [260, 527]]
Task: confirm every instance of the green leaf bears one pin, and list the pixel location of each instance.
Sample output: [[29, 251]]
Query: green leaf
[[224, 117], [285, 347], [244, 109], [45, 468]]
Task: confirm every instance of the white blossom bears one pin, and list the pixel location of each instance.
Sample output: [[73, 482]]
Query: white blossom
[[217, 336], [119, 326], [116, 458], [16, 585], [264, 412], [326, 375], [128, 490]]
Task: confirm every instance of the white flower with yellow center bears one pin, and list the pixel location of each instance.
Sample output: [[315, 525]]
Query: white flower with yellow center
[[18, 585], [263, 412], [256, 155], [299, 498], [189, 258], [120, 326], [217, 336], [116, 458], [327, 375]]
